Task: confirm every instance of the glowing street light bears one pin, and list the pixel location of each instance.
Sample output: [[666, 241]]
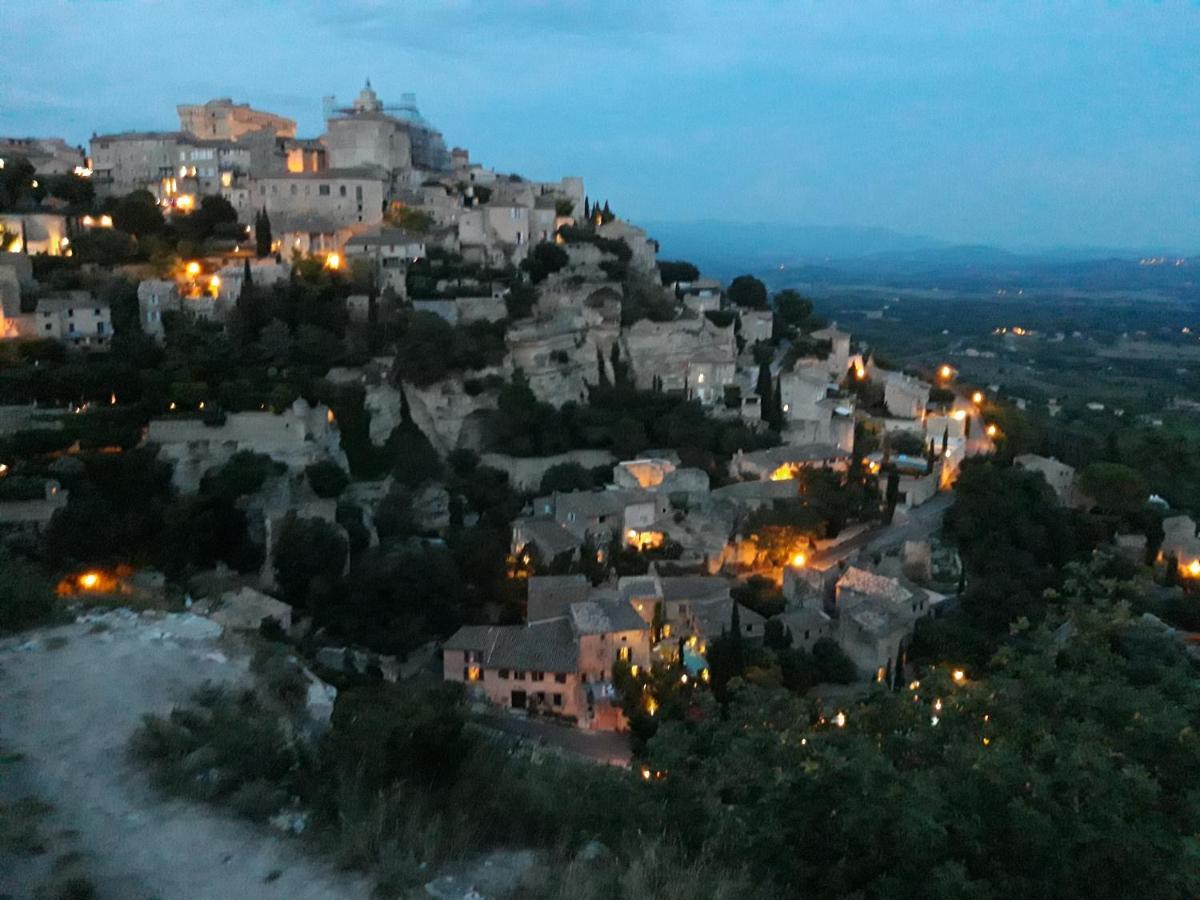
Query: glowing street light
[[959, 676], [193, 269], [992, 431], [799, 560], [977, 397], [945, 372]]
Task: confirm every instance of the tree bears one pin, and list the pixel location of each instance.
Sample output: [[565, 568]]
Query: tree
[[16, 183], [414, 221], [327, 478], [262, 234], [748, 292], [309, 556], [891, 496], [1114, 487], [214, 211], [544, 260], [138, 213], [26, 598], [793, 308], [565, 478], [244, 474], [671, 271]]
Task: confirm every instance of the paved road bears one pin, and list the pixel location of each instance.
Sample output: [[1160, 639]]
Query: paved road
[[605, 747], [920, 523]]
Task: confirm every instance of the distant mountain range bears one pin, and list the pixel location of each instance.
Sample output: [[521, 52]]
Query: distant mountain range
[[725, 249]]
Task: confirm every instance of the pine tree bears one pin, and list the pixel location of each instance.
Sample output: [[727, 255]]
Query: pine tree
[[587, 209], [945, 439]]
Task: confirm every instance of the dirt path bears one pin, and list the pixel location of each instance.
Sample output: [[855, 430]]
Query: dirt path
[[69, 700]]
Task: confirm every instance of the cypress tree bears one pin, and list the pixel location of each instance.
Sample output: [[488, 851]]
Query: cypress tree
[[766, 404], [892, 496], [262, 234]]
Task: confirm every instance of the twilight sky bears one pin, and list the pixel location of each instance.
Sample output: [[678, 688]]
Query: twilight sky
[[1026, 124]]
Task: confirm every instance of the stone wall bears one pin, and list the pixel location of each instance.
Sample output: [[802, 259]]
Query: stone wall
[[525, 472]]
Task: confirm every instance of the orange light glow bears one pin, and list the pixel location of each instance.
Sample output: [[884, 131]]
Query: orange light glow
[[1193, 569], [959, 676], [977, 397], [945, 372], [799, 560], [333, 261], [185, 201], [992, 431], [960, 415], [89, 580], [193, 269]]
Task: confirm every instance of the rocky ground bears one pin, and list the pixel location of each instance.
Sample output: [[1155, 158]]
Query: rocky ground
[[73, 804]]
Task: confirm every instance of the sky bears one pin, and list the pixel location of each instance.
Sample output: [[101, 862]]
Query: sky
[[1020, 124]]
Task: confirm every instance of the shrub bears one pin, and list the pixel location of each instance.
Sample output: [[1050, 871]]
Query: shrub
[[26, 598], [327, 479]]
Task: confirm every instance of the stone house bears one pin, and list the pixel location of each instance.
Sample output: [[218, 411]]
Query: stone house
[[154, 299], [597, 516], [875, 617], [785, 462], [298, 437], [1060, 476], [560, 664], [904, 396], [757, 325]]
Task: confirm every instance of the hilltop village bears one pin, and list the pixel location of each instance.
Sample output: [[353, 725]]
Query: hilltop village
[[482, 320], [429, 465]]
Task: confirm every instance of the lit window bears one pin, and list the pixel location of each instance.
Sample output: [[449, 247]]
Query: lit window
[[473, 673]]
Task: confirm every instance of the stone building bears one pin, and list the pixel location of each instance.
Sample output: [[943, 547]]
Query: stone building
[[560, 662], [223, 120]]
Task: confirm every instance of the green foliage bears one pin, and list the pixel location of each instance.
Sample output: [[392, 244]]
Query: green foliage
[[406, 218], [565, 478], [26, 598], [262, 234], [520, 301], [544, 260], [1114, 487], [115, 511], [309, 557], [1013, 538], [793, 308], [225, 748], [671, 271], [748, 292], [208, 220], [16, 184], [327, 479], [415, 460], [431, 348], [200, 531], [137, 213], [244, 474], [983, 792]]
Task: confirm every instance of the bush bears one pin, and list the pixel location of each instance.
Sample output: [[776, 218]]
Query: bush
[[327, 479], [26, 598]]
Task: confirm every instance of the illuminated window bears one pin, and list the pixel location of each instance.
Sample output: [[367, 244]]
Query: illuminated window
[[472, 673], [623, 654]]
